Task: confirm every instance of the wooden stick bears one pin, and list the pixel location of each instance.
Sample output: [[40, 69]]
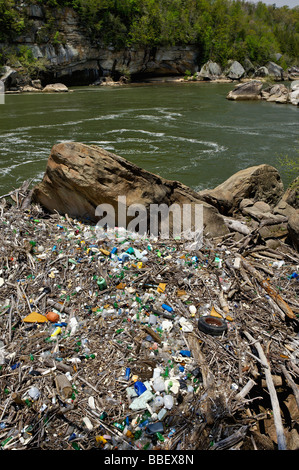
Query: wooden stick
[[291, 383], [246, 389], [208, 377], [281, 441], [230, 441], [265, 284]]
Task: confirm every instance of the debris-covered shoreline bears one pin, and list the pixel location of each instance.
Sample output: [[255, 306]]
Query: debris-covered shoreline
[[121, 363]]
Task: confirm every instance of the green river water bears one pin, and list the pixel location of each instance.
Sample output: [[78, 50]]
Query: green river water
[[182, 131]]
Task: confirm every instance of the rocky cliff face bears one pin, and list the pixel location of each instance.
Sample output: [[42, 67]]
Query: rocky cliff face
[[74, 60]]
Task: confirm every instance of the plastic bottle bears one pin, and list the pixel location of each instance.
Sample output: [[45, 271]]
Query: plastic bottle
[[158, 401], [168, 401], [159, 384], [153, 428], [34, 393], [152, 319]]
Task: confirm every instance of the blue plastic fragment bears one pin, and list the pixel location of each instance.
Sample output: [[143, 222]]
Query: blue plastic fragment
[[139, 388], [167, 307], [185, 353]]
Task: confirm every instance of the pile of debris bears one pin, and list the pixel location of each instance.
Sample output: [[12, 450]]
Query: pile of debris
[[114, 341]]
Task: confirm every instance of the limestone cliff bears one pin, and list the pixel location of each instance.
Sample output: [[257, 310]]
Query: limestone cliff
[[75, 60]]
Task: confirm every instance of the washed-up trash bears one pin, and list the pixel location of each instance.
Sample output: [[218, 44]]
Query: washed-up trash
[[114, 341], [52, 317], [35, 317]]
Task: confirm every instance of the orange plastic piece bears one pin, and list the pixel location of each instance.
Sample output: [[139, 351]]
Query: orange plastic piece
[[53, 317], [35, 317]]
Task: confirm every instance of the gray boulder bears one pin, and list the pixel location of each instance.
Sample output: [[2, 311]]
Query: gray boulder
[[275, 71], [278, 93], [294, 97], [55, 88], [8, 76], [293, 73], [234, 71], [262, 72], [295, 85], [246, 91], [248, 67], [210, 71]]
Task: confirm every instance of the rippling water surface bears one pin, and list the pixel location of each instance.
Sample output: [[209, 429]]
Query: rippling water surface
[[187, 132]]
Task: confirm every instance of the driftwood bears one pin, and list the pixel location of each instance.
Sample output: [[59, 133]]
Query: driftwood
[[220, 388], [282, 304], [281, 440]]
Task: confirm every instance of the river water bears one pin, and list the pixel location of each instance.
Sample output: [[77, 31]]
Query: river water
[[187, 132]]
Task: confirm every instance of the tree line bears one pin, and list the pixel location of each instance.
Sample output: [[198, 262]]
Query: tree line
[[221, 29]]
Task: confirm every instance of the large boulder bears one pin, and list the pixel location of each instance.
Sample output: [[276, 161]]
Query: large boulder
[[294, 97], [277, 93], [261, 72], [210, 71], [248, 67], [291, 196], [234, 71], [55, 88], [257, 183], [275, 71], [80, 177], [13, 79], [246, 91], [293, 73], [289, 207], [293, 229]]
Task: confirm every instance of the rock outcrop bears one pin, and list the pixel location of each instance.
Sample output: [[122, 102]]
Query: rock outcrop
[[275, 71], [80, 177], [294, 94], [293, 229], [55, 88], [278, 93], [257, 183], [246, 91], [75, 59], [254, 200], [234, 71], [210, 71], [78, 61]]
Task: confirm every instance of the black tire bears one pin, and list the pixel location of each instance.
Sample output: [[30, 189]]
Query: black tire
[[212, 325]]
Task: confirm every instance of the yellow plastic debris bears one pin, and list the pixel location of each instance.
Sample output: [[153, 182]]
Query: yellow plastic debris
[[161, 287], [214, 313], [181, 292], [105, 252], [35, 317], [101, 439], [56, 332], [121, 285]]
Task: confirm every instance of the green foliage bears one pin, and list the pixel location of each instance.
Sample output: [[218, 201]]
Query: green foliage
[[11, 20], [221, 29], [290, 167]]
